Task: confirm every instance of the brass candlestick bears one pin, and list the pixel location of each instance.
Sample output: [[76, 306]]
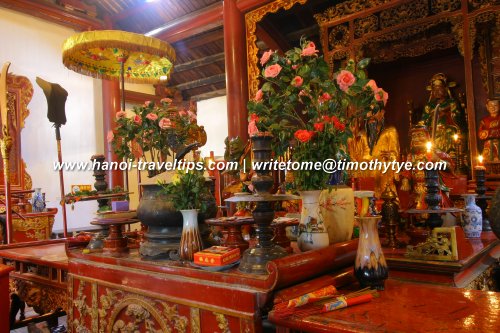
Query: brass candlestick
[[432, 198], [390, 218]]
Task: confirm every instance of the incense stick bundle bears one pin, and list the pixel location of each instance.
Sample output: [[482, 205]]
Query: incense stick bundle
[[329, 304], [289, 306]]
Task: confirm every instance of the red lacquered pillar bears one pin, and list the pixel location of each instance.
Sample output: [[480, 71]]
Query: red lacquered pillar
[[236, 70], [111, 105]]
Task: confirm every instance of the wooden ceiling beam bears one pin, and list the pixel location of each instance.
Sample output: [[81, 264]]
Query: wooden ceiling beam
[[126, 13], [192, 24], [201, 82], [54, 13], [199, 62], [208, 95], [192, 43]]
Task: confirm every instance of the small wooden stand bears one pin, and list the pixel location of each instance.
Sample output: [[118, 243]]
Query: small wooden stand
[[115, 243], [234, 238]]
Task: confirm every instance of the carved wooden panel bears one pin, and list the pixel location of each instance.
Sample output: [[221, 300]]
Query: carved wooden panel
[[97, 306], [20, 92]]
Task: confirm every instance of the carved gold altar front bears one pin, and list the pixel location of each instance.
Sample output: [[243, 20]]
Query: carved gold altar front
[[107, 308]]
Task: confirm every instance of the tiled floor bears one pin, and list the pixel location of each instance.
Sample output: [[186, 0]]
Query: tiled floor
[[29, 313]]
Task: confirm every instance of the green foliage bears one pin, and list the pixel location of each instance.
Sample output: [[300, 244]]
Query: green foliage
[[187, 189], [302, 96]]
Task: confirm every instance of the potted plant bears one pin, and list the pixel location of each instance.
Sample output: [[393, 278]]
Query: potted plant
[[187, 191], [154, 132], [308, 113]]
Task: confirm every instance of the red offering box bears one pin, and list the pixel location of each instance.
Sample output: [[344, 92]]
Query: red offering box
[[217, 256]]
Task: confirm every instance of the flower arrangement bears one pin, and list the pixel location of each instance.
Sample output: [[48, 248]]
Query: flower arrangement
[[154, 132], [306, 110], [187, 190]]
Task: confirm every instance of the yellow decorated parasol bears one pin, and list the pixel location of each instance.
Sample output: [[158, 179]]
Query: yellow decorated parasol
[[114, 54]]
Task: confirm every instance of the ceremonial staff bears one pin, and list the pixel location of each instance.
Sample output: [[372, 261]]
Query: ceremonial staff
[[56, 100]]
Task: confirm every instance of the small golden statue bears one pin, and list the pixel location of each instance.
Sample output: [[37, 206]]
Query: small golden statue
[[489, 130], [376, 142]]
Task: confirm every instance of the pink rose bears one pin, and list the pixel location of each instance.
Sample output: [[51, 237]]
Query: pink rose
[[110, 136], [345, 79], [152, 116], [182, 113], [252, 128], [120, 114], [165, 123], [297, 81], [381, 95], [265, 57], [294, 67], [309, 50], [272, 71], [191, 115], [146, 103], [166, 100], [137, 119], [258, 95], [373, 85]]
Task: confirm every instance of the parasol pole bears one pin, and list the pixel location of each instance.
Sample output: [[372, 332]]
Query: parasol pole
[[61, 178], [122, 78], [6, 145]]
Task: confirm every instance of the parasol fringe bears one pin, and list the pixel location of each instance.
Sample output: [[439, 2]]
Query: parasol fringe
[[96, 75], [155, 57], [119, 39]]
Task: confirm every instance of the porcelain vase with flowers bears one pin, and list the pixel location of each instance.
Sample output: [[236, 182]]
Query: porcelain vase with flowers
[[337, 208], [307, 112], [312, 232]]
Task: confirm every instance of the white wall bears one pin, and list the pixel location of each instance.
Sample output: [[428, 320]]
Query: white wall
[[212, 113], [33, 47]]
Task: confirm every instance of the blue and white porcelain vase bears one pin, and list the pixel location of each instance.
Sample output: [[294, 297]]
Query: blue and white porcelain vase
[[38, 201], [473, 217]]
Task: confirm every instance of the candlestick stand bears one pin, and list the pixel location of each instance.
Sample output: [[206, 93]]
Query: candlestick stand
[[482, 199], [254, 260], [433, 198]]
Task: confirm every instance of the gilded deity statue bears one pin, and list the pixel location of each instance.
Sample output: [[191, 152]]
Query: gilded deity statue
[[443, 116], [414, 180], [489, 130], [375, 142]]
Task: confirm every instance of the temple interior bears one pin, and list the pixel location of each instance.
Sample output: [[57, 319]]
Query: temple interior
[[249, 166]]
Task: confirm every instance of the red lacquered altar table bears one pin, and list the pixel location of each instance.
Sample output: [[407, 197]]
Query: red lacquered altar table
[[40, 273], [112, 293], [407, 307]]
